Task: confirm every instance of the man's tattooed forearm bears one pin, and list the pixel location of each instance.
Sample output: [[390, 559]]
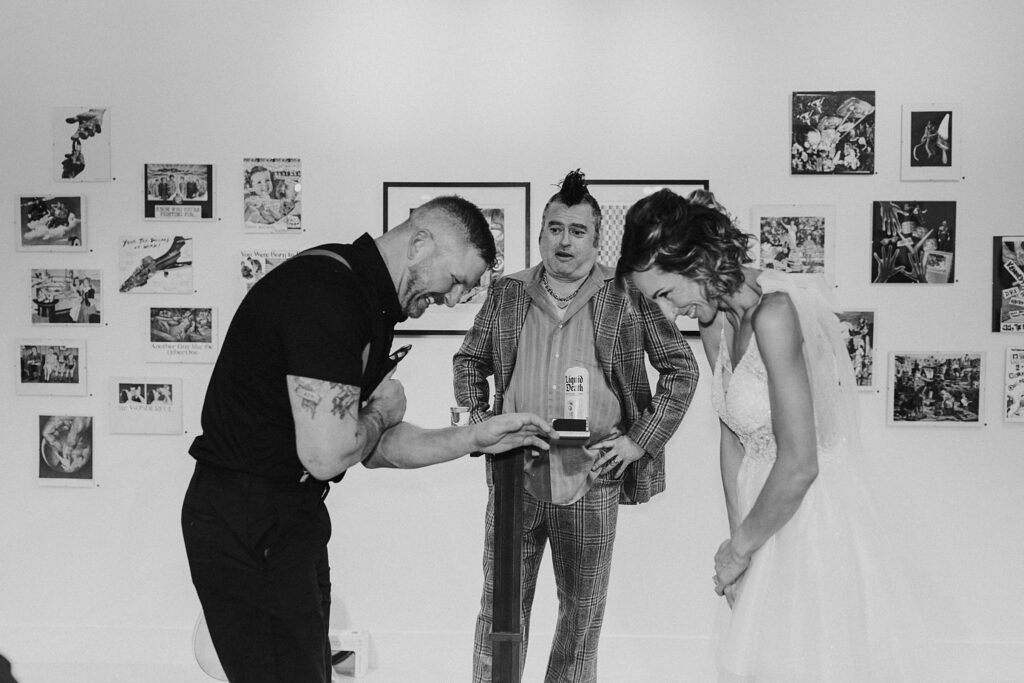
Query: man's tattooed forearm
[[344, 400]]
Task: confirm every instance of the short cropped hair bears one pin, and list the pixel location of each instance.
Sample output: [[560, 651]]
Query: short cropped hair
[[573, 191], [693, 237], [468, 215]]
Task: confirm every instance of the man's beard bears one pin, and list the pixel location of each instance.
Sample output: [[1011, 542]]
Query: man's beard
[[416, 301]]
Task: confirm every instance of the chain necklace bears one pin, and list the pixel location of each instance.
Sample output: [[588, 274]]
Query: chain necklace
[[560, 301]]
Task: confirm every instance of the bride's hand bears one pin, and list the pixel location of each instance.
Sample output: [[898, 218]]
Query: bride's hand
[[729, 566]]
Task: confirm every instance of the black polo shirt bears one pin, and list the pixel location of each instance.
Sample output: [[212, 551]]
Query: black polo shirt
[[310, 317]]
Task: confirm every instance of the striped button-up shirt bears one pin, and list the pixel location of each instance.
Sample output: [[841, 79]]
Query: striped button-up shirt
[[551, 342]]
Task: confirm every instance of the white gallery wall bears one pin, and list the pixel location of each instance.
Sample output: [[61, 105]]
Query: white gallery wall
[[368, 92]]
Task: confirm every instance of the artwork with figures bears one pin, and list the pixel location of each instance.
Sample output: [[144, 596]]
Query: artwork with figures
[[1014, 384], [796, 239], [63, 296], [182, 335], [931, 147], [859, 330], [65, 450], [256, 263], [833, 132], [913, 242], [51, 223], [178, 192], [272, 195], [81, 144], [935, 388], [51, 367], [145, 405]]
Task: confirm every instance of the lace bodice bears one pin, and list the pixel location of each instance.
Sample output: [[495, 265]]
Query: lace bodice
[[740, 397]]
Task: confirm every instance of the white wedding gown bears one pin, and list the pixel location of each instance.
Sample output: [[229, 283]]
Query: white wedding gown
[[817, 602]]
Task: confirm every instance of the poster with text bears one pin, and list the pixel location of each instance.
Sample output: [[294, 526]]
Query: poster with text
[[65, 296], [1008, 284], [157, 264], [272, 195], [49, 223], [145, 405], [1014, 385], [81, 144], [178, 192], [65, 450], [258, 262], [182, 335]]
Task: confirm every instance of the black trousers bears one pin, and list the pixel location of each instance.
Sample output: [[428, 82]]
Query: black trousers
[[257, 550]]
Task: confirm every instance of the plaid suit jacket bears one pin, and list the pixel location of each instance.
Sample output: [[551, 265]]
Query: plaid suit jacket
[[624, 330]]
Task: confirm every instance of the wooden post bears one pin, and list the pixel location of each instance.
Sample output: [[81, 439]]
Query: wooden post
[[506, 628]]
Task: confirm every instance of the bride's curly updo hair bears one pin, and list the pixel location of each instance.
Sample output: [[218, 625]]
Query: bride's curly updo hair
[[694, 237]]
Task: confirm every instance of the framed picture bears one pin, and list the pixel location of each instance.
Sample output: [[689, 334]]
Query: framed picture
[[913, 242], [258, 262], [51, 223], [65, 450], [81, 144], [615, 197], [931, 147], [63, 296], [506, 207], [796, 239], [145, 405], [272, 195], [859, 326], [51, 367], [1014, 385], [157, 264], [935, 388], [1008, 284], [178, 192], [833, 132]]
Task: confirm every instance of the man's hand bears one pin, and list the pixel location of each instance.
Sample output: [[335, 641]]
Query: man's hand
[[89, 123], [887, 267], [388, 401], [512, 430], [618, 451]]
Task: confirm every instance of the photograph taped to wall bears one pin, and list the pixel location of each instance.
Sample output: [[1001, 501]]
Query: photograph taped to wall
[[1008, 284], [51, 367], [833, 132], [796, 239], [935, 388], [931, 145], [506, 206], [145, 405], [258, 262], [65, 450], [49, 223], [1013, 407], [155, 264], [62, 296], [182, 335], [178, 192], [859, 329], [913, 242], [81, 144], [615, 197], [272, 195]]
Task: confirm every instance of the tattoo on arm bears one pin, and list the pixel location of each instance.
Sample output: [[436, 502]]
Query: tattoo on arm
[[312, 393]]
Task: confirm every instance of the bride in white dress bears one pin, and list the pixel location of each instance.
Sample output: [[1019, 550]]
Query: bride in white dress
[[811, 596]]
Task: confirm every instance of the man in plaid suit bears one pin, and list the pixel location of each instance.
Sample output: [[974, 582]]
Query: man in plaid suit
[[537, 328]]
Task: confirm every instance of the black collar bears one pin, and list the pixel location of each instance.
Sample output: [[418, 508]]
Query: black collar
[[368, 264]]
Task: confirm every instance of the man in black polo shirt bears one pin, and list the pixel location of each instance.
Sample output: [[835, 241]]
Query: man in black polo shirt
[[291, 404]]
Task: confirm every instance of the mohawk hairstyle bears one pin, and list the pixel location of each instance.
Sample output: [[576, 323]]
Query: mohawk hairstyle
[[572, 191]]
